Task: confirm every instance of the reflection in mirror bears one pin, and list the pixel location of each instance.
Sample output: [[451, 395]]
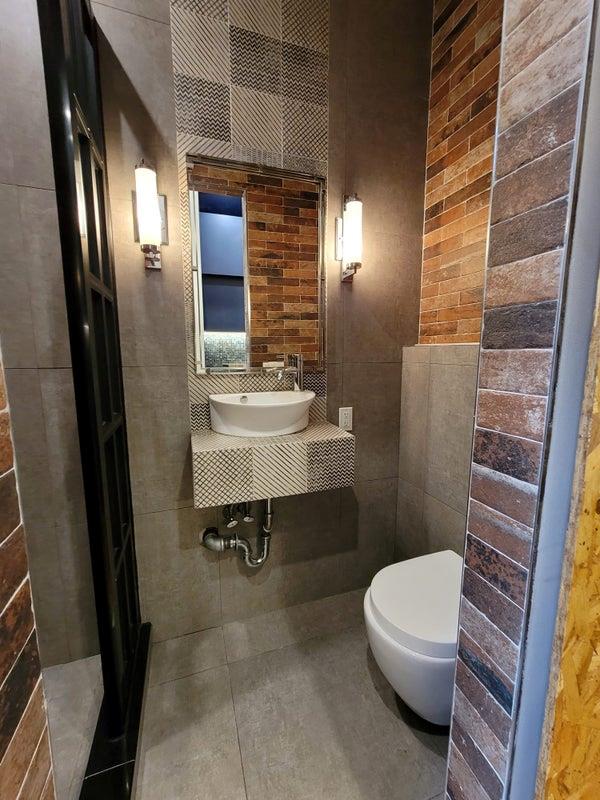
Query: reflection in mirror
[[256, 266]]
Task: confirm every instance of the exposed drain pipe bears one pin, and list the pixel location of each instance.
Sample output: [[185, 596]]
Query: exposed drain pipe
[[212, 540]]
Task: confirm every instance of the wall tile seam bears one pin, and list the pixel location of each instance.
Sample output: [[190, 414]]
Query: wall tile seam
[[509, 31], [479, 427], [477, 713], [508, 392], [134, 13], [517, 607], [467, 89], [489, 696], [449, 208], [545, 154], [43, 734], [483, 793], [555, 201], [38, 683], [491, 267]]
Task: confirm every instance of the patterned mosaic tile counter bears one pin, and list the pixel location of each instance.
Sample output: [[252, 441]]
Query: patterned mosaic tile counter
[[231, 469]]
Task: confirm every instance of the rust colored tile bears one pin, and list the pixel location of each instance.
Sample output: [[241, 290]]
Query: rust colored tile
[[487, 672], [514, 498], [516, 371], [477, 762], [21, 749], [34, 783], [3, 401], [497, 720], [483, 85], [16, 625], [452, 156], [529, 234], [462, 784], [519, 327], [481, 119], [548, 127], [462, 312], [518, 458], [501, 611], [547, 23], [6, 450], [539, 182], [501, 532], [517, 414], [504, 574], [48, 792], [532, 280], [517, 10], [552, 72], [10, 515], [16, 691], [492, 641]]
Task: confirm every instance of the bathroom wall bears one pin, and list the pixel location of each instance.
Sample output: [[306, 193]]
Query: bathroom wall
[[436, 431], [25, 764], [37, 358], [543, 68], [462, 119], [327, 542]]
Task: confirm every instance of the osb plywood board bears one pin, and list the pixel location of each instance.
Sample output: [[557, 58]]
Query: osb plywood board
[[573, 770]]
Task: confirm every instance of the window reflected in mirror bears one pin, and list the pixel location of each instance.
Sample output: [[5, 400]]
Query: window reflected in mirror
[[256, 261]]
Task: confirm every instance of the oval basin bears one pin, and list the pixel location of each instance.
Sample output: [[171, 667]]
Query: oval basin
[[260, 413]]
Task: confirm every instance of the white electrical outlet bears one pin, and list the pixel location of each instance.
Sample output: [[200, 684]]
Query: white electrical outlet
[[345, 419]]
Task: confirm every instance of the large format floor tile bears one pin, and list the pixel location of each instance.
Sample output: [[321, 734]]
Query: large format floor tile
[[317, 721], [189, 747]]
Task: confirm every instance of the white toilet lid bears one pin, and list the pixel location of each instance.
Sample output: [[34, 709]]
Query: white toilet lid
[[416, 602]]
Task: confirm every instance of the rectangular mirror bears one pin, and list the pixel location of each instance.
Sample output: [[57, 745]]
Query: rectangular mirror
[[256, 266]]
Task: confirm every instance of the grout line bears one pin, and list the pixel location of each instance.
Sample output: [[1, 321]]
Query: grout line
[[237, 733], [131, 13], [495, 588]]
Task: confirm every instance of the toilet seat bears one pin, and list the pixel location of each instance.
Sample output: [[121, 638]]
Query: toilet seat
[[416, 603]]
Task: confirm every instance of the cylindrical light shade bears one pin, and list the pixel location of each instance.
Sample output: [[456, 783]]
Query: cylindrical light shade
[[148, 212], [353, 232]]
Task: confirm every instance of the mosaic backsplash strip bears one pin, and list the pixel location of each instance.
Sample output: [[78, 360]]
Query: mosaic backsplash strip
[[251, 80], [224, 349]]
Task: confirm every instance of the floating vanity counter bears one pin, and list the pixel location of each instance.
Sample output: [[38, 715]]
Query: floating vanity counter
[[231, 469]]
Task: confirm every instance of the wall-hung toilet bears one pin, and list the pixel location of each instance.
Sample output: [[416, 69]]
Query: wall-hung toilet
[[411, 614]]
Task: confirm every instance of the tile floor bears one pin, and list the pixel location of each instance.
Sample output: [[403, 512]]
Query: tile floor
[[73, 696], [288, 705]]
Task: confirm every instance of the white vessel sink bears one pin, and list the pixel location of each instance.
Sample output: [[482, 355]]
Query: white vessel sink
[[260, 413]]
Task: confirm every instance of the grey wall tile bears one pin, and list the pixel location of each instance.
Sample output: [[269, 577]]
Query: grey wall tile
[[410, 541], [157, 10], [158, 429], [443, 527], [25, 154], [454, 353], [186, 655], [373, 391], [179, 579], [413, 423], [135, 79], [416, 354]]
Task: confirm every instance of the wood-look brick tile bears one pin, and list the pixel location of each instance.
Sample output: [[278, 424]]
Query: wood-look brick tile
[[481, 700], [39, 769], [514, 498], [504, 574], [531, 280], [478, 763], [526, 371], [548, 23], [6, 449], [487, 672], [517, 10], [462, 784], [518, 458], [13, 565], [16, 691], [519, 327], [21, 749], [10, 515], [529, 234], [496, 644], [479, 731], [547, 128], [501, 532], [517, 414], [501, 611], [16, 625], [3, 400], [535, 184], [551, 73]]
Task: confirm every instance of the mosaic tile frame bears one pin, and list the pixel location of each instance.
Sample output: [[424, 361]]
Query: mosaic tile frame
[[225, 57]]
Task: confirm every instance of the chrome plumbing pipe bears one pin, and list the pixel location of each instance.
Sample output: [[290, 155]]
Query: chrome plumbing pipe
[[212, 540]]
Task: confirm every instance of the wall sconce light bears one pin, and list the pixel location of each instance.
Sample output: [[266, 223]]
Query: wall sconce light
[[149, 215], [349, 235]]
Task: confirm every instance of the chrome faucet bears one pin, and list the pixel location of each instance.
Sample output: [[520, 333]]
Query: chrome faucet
[[293, 364]]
